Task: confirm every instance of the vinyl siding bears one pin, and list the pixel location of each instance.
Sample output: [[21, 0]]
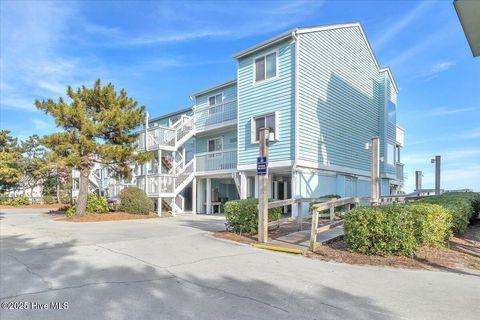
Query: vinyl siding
[[229, 141], [339, 98], [275, 95], [229, 93]]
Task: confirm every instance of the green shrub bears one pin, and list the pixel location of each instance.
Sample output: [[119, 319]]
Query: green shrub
[[242, 215], [433, 223], [19, 201], [383, 230], [398, 229], [48, 199], [134, 200], [464, 207], [95, 204]]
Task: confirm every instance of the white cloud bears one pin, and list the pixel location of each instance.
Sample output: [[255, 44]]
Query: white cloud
[[446, 111], [436, 69], [447, 156], [463, 135], [196, 20], [33, 37], [401, 24], [41, 124], [426, 43]]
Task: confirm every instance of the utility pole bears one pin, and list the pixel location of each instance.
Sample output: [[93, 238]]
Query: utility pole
[[418, 180], [437, 162], [262, 172], [376, 169]]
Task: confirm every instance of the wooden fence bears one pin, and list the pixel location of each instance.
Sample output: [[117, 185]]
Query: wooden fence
[[323, 204]]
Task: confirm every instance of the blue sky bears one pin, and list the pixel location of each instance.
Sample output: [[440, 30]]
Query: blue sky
[[161, 52]]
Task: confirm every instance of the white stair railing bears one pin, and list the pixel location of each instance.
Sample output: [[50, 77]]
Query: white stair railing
[[184, 175]]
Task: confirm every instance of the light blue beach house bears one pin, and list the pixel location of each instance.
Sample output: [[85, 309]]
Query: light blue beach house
[[322, 93]]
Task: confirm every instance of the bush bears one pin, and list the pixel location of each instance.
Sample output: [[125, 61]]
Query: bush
[[383, 230], [48, 199], [464, 207], [95, 204], [19, 201], [134, 200], [433, 223], [242, 215]]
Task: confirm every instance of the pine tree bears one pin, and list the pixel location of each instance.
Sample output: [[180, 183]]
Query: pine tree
[[98, 124], [10, 161], [36, 164]]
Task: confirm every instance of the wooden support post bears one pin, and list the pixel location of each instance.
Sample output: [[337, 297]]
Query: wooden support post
[[375, 170], [209, 196], [263, 191], [300, 215], [332, 214], [313, 232], [437, 174]]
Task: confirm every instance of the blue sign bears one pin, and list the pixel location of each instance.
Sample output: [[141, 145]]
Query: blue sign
[[262, 166]]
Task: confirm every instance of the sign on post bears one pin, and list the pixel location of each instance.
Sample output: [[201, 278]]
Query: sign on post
[[262, 166]]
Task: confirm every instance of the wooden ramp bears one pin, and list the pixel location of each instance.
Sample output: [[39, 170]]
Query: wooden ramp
[[301, 240]]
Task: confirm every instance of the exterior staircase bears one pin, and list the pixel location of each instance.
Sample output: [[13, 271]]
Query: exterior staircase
[[177, 173]]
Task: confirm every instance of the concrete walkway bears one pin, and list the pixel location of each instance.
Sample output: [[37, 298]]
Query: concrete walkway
[[172, 269]]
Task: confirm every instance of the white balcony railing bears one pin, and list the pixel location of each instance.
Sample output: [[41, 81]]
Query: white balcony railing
[[160, 136], [185, 173], [219, 160], [160, 183], [216, 115]]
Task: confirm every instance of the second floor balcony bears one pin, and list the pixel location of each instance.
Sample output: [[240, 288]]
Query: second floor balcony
[[225, 160], [220, 115]]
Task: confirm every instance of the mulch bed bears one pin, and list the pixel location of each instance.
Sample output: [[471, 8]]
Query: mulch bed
[[37, 206], [462, 254], [111, 216]]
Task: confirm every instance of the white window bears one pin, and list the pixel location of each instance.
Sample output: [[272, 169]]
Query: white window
[[215, 144], [390, 154], [216, 99], [265, 67], [269, 120]]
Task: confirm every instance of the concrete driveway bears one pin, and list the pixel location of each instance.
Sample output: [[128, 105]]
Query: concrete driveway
[[173, 269]]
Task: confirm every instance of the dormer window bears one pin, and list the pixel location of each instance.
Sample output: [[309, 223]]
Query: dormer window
[[265, 67]]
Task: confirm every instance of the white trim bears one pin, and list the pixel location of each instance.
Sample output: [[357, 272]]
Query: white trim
[[211, 152], [238, 116], [297, 96], [214, 173], [264, 55], [213, 139], [215, 96], [271, 164], [254, 129], [215, 87]]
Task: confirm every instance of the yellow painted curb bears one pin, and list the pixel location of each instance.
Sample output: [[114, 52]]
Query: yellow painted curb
[[276, 248]]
